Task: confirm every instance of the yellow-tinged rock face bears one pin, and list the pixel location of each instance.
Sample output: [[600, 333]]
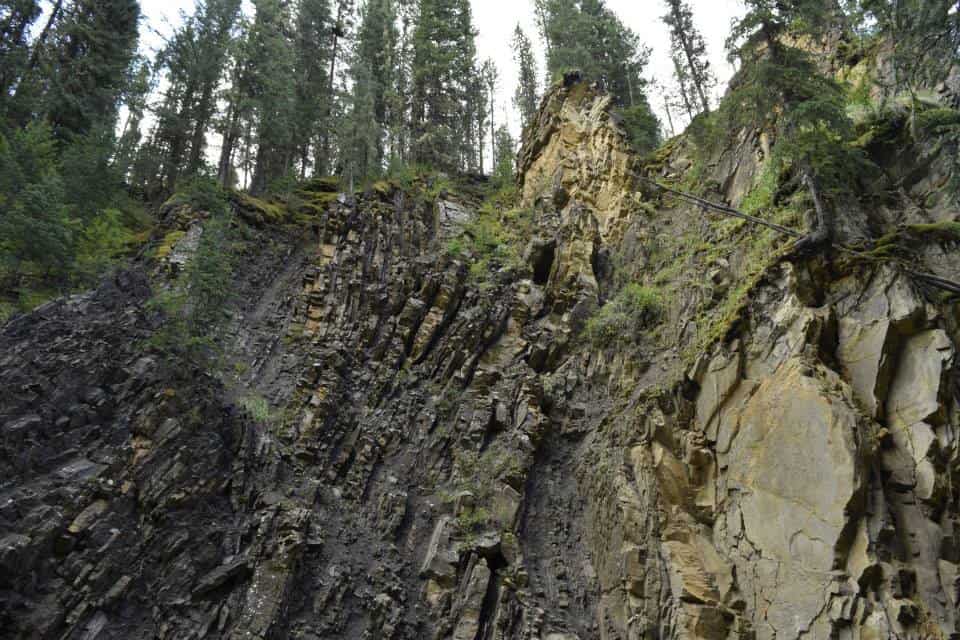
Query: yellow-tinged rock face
[[578, 151]]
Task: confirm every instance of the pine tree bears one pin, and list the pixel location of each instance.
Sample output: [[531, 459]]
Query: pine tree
[[92, 48], [216, 20], [35, 228], [374, 64], [339, 32], [399, 97], [314, 38], [587, 36], [503, 167], [779, 89], [689, 55], [465, 78], [489, 78], [193, 61], [525, 96], [443, 61], [135, 101], [483, 111], [16, 19], [239, 109], [924, 38], [273, 97]]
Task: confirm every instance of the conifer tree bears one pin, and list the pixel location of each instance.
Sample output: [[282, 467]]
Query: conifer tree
[[193, 60], [489, 77], [443, 60], [272, 85], [339, 31], [374, 67], [586, 35], [503, 166], [525, 96], [16, 19], [135, 101], [313, 42], [688, 51], [924, 39], [92, 47], [239, 108], [34, 225], [781, 90]]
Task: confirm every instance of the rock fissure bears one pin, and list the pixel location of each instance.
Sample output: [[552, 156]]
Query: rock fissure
[[446, 454]]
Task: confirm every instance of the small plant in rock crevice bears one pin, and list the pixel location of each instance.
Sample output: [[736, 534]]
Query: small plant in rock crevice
[[633, 309], [257, 406]]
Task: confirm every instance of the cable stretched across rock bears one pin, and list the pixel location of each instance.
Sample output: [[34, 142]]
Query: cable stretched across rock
[[928, 278]]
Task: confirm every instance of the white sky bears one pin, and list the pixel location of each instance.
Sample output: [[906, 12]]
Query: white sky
[[496, 19]]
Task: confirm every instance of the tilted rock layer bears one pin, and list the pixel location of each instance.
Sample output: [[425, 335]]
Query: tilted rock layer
[[444, 458]]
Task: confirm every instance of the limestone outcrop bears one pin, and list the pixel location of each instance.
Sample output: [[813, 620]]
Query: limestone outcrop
[[448, 457]]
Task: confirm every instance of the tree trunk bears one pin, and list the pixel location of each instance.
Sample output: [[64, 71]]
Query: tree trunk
[[328, 111], [666, 107], [823, 221], [42, 38], [198, 139], [229, 142]]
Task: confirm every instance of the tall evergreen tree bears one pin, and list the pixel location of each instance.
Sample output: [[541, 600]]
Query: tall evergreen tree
[[315, 34], [374, 68], [237, 97], [586, 35], [779, 89], [92, 48], [16, 20], [339, 32], [489, 77], [525, 96], [135, 101], [272, 85], [688, 51], [399, 97], [503, 166], [443, 60], [924, 39], [194, 60]]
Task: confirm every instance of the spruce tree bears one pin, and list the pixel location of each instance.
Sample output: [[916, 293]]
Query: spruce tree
[[92, 48], [193, 62], [35, 228], [16, 19], [489, 77], [779, 89], [587, 36], [313, 42], [688, 52], [135, 101], [503, 167], [273, 97], [525, 96], [239, 108], [443, 62], [375, 61], [339, 31], [923, 38]]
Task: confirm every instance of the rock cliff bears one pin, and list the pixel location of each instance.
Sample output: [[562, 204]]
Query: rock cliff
[[448, 456]]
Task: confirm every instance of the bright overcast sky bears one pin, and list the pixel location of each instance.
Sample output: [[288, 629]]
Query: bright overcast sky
[[495, 21]]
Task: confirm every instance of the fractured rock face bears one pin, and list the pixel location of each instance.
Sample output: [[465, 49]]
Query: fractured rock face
[[446, 459], [794, 472]]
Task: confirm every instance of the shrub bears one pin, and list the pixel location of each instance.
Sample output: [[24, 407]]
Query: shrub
[[623, 317], [196, 305], [257, 407], [204, 194], [642, 127], [102, 242]]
